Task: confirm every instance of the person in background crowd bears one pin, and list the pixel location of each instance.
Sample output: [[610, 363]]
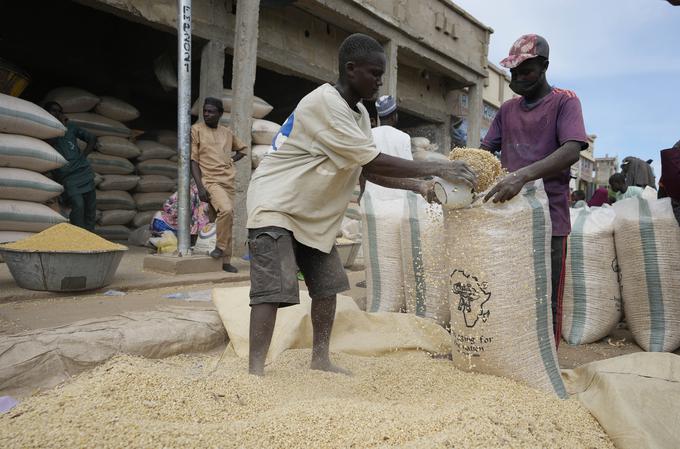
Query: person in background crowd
[[541, 134], [578, 198], [600, 197], [617, 181], [212, 167], [166, 218], [77, 175], [669, 184], [638, 172]]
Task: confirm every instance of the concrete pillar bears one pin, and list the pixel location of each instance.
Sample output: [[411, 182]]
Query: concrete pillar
[[242, 83], [475, 111], [212, 73], [451, 97], [389, 86]]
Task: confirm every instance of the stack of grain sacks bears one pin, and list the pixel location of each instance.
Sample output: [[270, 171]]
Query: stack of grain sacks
[[133, 178], [157, 168], [423, 150], [24, 160], [102, 117]]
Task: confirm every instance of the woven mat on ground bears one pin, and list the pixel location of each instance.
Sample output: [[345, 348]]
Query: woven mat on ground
[[43, 358], [354, 332], [635, 398]]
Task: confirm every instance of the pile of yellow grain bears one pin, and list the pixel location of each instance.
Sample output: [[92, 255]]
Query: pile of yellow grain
[[404, 400], [482, 162], [64, 237]]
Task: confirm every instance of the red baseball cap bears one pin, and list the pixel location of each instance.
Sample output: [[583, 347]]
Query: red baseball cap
[[526, 47]]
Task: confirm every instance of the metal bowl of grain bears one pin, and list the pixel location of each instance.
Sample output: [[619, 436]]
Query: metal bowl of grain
[[63, 258]]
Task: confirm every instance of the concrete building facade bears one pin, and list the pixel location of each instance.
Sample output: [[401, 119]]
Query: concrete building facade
[[583, 171], [434, 49], [496, 91], [276, 49], [604, 168]]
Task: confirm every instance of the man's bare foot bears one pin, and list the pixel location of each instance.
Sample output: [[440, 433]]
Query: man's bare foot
[[328, 366]]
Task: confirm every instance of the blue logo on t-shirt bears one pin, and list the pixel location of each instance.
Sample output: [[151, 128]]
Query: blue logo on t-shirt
[[284, 132]]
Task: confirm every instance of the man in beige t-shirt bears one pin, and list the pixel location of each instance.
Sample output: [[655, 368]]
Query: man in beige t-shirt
[[299, 193], [212, 167]]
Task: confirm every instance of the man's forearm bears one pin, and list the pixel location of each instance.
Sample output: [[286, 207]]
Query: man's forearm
[[395, 183], [563, 158], [395, 167]]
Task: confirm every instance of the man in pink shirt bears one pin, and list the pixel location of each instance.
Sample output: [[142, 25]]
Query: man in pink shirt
[[540, 135]]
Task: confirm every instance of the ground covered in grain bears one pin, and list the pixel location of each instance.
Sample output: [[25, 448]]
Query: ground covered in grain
[[403, 400]]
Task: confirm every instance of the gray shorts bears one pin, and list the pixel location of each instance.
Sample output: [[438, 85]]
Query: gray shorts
[[275, 257]]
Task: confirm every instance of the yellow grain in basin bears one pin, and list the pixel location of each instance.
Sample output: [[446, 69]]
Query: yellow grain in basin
[[64, 237]]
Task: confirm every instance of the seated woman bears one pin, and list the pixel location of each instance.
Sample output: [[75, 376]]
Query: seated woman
[[166, 219]]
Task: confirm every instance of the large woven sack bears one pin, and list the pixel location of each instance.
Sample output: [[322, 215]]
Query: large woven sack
[[167, 137], [113, 232], [161, 167], [26, 216], [500, 289], [110, 165], [72, 99], [26, 185], [116, 109], [647, 238], [381, 222], [13, 236], [118, 146], [22, 117], [260, 107], [257, 153], [29, 153], [151, 201], [114, 199], [155, 183], [99, 125], [354, 212], [119, 182], [153, 150], [423, 252], [420, 142], [264, 132], [591, 306], [206, 240], [429, 156], [423, 144], [143, 218], [116, 217]]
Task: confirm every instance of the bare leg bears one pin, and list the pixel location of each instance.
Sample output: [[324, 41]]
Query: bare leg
[[323, 315], [262, 320]]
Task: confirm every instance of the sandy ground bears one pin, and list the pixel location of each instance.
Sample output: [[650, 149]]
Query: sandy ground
[[56, 310]]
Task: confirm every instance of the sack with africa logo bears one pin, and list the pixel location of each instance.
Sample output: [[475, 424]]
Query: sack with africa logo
[[500, 288]]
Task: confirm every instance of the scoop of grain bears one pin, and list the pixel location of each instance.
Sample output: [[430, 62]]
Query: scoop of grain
[[64, 237], [482, 162], [403, 400]]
